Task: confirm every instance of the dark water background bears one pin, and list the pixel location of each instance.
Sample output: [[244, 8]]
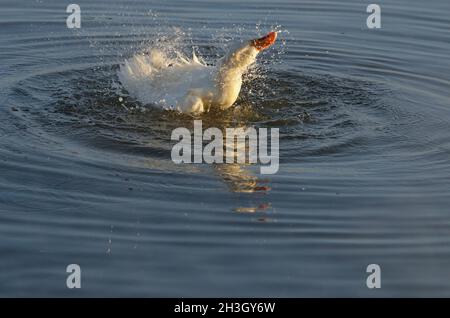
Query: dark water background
[[365, 154]]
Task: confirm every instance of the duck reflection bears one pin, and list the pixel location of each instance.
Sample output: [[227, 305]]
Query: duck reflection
[[241, 180], [251, 191]]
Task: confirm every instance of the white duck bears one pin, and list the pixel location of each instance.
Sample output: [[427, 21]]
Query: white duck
[[190, 86]]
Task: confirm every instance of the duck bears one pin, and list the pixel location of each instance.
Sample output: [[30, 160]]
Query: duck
[[190, 85]]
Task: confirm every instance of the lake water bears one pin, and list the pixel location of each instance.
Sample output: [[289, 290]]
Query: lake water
[[86, 176]]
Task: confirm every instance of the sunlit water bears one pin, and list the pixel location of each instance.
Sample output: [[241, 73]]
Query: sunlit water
[[86, 175]]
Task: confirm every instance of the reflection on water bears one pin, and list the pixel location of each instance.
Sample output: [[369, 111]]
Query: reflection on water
[[231, 152], [241, 180]]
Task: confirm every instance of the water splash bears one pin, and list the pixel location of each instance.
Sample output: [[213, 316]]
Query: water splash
[[161, 73]]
